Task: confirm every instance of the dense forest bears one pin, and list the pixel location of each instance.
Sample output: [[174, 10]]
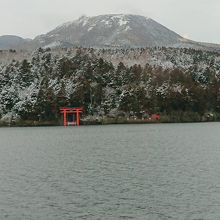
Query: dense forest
[[188, 89]]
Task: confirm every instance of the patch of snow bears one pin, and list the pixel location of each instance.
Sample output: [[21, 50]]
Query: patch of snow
[[163, 89], [122, 22], [91, 27], [118, 16], [52, 45], [84, 23], [107, 22], [128, 28], [83, 20], [121, 19]]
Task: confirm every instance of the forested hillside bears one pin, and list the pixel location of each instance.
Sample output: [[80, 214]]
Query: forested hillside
[[180, 84]]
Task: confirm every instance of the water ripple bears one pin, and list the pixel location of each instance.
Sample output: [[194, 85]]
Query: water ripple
[[110, 172]]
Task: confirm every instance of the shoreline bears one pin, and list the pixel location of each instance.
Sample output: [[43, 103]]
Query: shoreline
[[30, 123]]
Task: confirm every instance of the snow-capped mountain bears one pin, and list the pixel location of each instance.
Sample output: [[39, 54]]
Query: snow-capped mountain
[[111, 31], [107, 31]]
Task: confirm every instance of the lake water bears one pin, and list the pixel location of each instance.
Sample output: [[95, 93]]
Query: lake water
[[157, 171]]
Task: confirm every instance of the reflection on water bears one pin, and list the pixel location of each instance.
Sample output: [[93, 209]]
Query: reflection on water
[[162, 171]]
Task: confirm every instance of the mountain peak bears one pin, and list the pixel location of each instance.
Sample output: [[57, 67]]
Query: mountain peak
[[122, 19], [112, 30]]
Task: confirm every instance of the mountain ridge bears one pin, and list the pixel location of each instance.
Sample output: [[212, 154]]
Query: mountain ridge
[[113, 30], [110, 31], [11, 41]]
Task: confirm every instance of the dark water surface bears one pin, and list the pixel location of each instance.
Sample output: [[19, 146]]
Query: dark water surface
[[161, 171]]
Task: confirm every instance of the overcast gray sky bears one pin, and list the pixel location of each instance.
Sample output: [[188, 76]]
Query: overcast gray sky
[[195, 19]]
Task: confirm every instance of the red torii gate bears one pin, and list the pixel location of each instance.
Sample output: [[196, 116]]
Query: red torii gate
[[67, 110]]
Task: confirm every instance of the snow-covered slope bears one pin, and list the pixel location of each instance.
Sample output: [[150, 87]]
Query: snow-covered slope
[[112, 31]]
